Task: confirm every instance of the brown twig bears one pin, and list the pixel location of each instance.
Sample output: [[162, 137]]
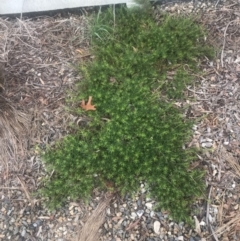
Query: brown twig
[[89, 232], [224, 40]]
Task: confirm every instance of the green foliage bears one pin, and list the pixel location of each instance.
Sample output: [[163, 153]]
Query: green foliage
[[135, 134]]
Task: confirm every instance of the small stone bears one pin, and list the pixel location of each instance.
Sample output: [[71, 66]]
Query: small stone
[[148, 199], [76, 219], [156, 227], [149, 205], [12, 220], [152, 214], [175, 229], [195, 127], [9, 212], [209, 140], [143, 190], [236, 207], [108, 211], [207, 144], [71, 207], [140, 213], [23, 233], [15, 231], [119, 214], [132, 236], [133, 215], [226, 143], [121, 209], [147, 211], [25, 223], [180, 238], [105, 226], [202, 140], [202, 223]]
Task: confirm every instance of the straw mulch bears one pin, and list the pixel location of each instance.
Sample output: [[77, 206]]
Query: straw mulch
[[39, 59]]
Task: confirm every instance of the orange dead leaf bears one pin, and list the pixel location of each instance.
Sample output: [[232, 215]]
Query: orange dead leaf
[[88, 106]]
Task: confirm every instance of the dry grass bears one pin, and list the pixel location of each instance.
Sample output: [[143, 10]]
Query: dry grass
[[14, 126], [13, 129], [39, 57]]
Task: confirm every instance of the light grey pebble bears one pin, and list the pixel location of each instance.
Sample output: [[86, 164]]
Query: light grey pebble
[[147, 211], [133, 215], [165, 216], [15, 231], [105, 226], [207, 144], [12, 220], [140, 213], [152, 214], [24, 223], [122, 209], [108, 211], [9, 212], [149, 205], [181, 225], [35, 225], [195, 127], [76, 218], [124, 223], [226, 143], [209, 139], [23, 233]]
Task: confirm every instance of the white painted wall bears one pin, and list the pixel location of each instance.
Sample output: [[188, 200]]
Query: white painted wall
[[24, 6]]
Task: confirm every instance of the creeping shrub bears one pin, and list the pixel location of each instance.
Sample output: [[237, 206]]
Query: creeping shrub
[[136, 132]]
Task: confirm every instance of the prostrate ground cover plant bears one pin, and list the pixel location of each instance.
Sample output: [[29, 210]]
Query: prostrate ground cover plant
[[135, 132]]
